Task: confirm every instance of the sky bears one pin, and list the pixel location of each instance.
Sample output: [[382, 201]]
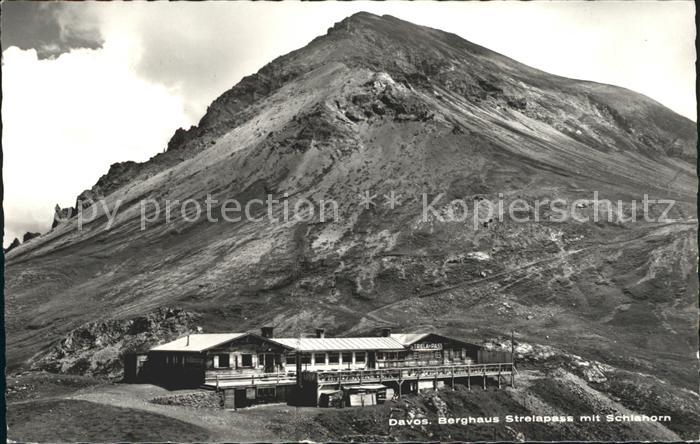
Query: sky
[[88, 84]]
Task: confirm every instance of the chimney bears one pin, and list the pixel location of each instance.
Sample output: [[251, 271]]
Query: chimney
[[188, 340], [266, 332], [320, 332], [386, 332]]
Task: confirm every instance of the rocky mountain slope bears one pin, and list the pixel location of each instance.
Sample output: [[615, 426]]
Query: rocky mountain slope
[[380, 105]]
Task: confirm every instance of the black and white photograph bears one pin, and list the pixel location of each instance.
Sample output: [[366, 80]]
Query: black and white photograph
[[319, 221]]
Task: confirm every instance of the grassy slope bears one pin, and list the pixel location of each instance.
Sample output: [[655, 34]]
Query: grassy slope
[[82, 421]]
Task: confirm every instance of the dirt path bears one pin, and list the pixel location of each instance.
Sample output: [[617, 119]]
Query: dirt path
[[250, 425]]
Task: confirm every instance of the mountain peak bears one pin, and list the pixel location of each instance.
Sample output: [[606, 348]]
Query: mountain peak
[[440, 64]]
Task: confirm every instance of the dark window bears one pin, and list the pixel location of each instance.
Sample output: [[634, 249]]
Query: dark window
[[359, 356], [246, 360], [306, 358], [224, 360], [291, 359], [380, 356], [266, 392], [333, 358], [347, 357], [320, 358]]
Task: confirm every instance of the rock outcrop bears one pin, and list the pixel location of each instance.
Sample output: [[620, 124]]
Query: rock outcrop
[[29, 236], [89, 197], [97, 348], [62, 215], [14, 244]]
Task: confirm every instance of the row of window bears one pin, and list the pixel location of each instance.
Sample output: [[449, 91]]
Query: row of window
[[390, 356], [224, 361], [422, 355], [182, 359], [333, 358], [457, 353]]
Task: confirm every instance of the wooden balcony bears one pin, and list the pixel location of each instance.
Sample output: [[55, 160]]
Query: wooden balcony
[[338, 378], [221, 380], [414, 373]]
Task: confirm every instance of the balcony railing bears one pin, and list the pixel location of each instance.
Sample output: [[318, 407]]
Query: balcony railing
[[341, 377], [219, 380], [412, 373]]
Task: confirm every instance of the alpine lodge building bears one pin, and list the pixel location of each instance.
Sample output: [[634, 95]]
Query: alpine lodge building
[[249, 368]]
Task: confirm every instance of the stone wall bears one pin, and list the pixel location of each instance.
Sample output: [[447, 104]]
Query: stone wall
[[201, 399]]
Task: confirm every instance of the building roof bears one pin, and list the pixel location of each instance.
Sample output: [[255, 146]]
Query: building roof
[[198, 342], [340, 344], [203, 341], [406, 339]]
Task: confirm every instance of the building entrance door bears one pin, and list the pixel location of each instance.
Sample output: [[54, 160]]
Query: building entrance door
[[269, 362], [371, 360]]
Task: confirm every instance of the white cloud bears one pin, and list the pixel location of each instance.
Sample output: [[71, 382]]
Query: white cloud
[[65, 120]]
